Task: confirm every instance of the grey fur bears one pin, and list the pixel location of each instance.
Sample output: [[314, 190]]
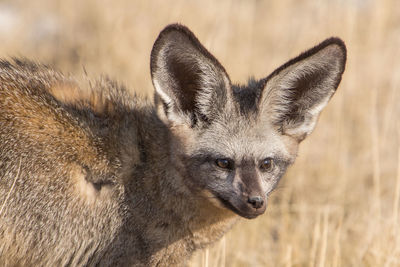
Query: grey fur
[[91, 175]]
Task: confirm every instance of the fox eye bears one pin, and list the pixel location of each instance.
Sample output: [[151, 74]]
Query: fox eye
[[224, 163], [267, 165]]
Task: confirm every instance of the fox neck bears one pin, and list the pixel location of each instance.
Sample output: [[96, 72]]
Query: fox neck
[[204, 222], [193, 214], [193, 221]]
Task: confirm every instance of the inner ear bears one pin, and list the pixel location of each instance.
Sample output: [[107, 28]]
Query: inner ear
[[190, 82], [187, 76], [304, 94]]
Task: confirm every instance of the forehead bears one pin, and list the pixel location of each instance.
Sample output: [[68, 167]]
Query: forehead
[[239, 137]]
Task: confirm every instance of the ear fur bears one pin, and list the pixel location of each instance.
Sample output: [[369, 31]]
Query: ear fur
[[190, 83], [294, 94]]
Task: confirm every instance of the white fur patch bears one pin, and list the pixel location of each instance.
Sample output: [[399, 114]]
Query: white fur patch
[[167, 100]]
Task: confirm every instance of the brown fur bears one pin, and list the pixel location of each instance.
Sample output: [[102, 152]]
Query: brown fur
[[92, 175]]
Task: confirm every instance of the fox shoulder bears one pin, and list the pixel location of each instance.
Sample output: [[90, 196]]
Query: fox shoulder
[[103, 97], [49, 117]]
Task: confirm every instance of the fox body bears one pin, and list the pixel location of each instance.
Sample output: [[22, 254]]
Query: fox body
[[92, 175]]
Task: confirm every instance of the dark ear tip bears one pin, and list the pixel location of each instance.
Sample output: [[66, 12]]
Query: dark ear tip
[[332, 41], [181, 36], [166, 35], [335, 41], [177, 29]]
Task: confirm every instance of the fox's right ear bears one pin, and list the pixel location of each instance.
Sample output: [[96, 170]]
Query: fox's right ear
[[190, 83]]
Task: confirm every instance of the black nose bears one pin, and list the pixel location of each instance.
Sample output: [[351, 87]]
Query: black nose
[[256, 201]]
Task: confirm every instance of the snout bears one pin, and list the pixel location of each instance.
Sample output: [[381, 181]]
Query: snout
[[255, 206], [251, 206], [246, 206], [256, 202]]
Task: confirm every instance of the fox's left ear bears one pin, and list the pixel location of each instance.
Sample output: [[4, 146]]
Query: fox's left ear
[[295, 93]]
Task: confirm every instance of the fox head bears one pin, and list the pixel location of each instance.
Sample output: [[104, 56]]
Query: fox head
[[232, 143]]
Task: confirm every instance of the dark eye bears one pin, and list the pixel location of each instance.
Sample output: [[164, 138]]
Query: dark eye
[[224, 163], [267, 165]]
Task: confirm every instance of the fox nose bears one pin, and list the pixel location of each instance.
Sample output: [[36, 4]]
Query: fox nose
[[256, 201]]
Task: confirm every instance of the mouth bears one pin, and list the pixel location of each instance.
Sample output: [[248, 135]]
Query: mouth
[[248, 214]]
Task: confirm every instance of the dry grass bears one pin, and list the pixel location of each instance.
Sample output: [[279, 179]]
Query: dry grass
[[339, 204]]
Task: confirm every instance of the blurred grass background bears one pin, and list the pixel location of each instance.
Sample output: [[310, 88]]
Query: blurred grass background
[[339, 204]]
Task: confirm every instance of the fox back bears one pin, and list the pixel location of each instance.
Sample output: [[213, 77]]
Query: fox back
[[93, 175]]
